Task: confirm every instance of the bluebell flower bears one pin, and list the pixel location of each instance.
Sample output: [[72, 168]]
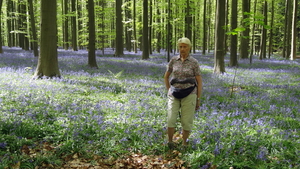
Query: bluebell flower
[[3, 145]]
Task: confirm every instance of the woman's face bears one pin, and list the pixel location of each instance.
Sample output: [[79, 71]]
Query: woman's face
[[184, 49]]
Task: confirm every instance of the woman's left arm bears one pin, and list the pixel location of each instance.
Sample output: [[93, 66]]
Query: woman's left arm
[[199, 90]]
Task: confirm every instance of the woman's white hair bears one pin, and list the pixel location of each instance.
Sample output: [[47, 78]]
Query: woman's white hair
[[185, 41]]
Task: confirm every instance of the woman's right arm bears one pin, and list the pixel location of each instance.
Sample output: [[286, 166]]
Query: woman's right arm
[[166, 77]]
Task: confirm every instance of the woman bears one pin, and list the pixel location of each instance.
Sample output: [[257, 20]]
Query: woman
[[184, 90]]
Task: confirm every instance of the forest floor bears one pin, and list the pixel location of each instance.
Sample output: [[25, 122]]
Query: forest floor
[[115, 116]]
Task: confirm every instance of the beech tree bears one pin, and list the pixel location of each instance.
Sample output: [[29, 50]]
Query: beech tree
[[145, 54], [244, 49], [48, 62], [233, 39], [33, 29], [1, 50], [92, 35], [219, 66], [74, 26], [263, 42], [294, 32], [167, 21], [119, 29]]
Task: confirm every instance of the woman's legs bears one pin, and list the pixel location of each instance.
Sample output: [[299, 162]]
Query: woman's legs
[[188, 105]]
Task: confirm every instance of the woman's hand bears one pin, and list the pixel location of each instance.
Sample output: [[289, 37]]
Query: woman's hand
[[197, 105]]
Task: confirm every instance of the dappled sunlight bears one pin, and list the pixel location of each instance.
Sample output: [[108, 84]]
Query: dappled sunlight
[[118, 112]]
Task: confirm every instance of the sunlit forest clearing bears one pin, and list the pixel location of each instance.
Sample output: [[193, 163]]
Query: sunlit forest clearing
[[115, 116], [82, 84]]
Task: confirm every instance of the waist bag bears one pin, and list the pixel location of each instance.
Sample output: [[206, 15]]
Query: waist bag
[[181, 93]]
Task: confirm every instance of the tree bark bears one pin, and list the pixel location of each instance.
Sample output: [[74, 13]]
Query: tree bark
[[253, 35], [244, 52], [33, 30], [188, 20], [145, 54], [134, 27], [271, 31], [204, 41], [48, 61], [66, 24], [74, 26], [294, 32], [150, 27], [233, 40], [219, 65], [263, 43], [1, 50], [92, 35], [119, 29]]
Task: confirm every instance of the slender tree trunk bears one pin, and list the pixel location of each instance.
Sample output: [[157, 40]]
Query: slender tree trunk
[[145, 54], [287, 2], [219, 64], [226, 27], [33, 29], [204, 41], [244, 52], [233, 40], [134, 27], [263, 43], [271, 31], [48, 62], [119, 29], [150, 26], [103, 25], [74, 26], [92, 35], [210, 38], [158, 32], [169, 27], [66, 24], [128, 32], [289, 30], [1, 50], [188, 20], [253, 35], [294, 31]]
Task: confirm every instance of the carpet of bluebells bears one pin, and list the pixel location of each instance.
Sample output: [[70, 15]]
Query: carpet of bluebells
[[249, 116]]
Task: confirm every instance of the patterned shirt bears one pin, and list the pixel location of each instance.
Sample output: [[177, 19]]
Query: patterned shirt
[[187, 69]]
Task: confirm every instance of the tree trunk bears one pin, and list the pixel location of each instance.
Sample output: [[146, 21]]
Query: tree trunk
[[1, 50], [263, 43], [33, 29], [169, 28], [158, 32], [92, 35], [253, 35], [188, 20], [294, 31], [48, 62], [66, 24], [219, 65], [74, 26], [226, 27], [145, 54], [134, 27], [128, 32], [289, 30], [233, 40], [271, 31], [244, 52], [119, 29], [204, 41], [102, 25], [150, 26]]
